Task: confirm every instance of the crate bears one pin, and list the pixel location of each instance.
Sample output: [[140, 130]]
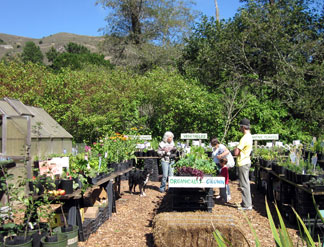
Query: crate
[[87, 228], [192, 199]]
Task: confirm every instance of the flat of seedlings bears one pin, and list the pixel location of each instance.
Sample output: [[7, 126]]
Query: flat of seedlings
[[131, 225]]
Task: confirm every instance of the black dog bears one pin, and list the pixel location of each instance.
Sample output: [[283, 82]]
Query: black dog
[[140, 178]]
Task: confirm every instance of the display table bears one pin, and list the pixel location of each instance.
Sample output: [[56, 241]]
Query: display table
[[189, 193], [288, 194], [74, 201]]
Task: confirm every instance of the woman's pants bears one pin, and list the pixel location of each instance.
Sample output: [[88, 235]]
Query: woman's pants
[[167, 171]]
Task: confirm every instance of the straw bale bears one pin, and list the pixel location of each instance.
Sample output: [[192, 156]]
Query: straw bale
[[194, 229]]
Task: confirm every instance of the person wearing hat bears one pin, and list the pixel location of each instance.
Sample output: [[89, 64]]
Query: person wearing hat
[[243, 152]]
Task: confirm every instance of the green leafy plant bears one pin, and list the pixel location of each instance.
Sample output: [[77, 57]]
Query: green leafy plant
[[280, 233], [198, 159]]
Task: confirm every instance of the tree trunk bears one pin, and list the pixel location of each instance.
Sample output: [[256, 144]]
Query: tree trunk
[[136, 23], [217, 10]]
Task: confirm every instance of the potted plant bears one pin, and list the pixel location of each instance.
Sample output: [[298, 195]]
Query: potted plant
[[52, 238], [71, 232], [14, 191], [199, 163]]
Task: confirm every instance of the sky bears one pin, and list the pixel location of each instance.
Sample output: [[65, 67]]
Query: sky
[[41, 18]]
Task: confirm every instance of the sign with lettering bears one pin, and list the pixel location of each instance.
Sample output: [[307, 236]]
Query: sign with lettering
[[193, 136], [196, 182], [141, 137], [260, 137]]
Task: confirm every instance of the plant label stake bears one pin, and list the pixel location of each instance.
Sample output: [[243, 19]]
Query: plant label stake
[[293, 158], [314, 161], [99, 164]]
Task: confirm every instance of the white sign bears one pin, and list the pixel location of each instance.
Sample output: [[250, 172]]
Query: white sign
[[296, 142], [279, 144], [53, 166], [260, 137], [141, 137], [193, 136], [269, 144], [196, 182]]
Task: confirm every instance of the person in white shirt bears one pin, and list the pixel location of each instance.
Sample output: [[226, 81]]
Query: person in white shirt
[[166, 147], [220, 151]]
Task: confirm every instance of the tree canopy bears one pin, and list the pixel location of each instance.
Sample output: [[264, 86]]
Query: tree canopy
[[32, 53], [265, 64], [148, 20]]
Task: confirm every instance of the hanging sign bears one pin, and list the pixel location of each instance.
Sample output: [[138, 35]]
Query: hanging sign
[[142, 137], [260, 137], [193, 136], [196, 182]]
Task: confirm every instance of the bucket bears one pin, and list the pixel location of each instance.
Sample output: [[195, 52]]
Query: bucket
[[72, 236], [61, 241], [19, 240]]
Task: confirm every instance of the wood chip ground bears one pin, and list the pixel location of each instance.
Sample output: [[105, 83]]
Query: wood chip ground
[[131, 225]]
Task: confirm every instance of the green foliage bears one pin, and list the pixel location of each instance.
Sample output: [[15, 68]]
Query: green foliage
[[76, 48], [52, 54], [198, 159], [144, 21], [76, 57], [32, 53], [274, 68], [280, 234]]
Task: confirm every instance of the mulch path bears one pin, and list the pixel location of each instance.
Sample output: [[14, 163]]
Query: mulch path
[[131, 225]]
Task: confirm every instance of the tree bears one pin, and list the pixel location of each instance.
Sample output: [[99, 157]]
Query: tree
[[76, 48], [32, 53], [76, 57], [52, 54], [277, 47], [142, 21]]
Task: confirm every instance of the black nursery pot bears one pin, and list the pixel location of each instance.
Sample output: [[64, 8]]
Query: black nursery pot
[[36, 236], [57, 183], [51, 239], [18, 240], [67, 185], [150, 153], [33, 185], [68, 228]]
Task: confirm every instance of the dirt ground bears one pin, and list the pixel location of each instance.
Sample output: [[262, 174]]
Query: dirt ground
[[131, 225]]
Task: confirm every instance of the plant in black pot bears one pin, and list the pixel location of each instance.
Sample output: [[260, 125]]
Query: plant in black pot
[[71, 232], [66, 182], [13, 230], [47, 213]]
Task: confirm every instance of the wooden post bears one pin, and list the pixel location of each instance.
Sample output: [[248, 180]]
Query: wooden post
[[28, 146], [4, 134], [255, 145]]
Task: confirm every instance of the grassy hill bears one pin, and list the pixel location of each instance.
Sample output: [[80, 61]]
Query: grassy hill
[[12, 44]]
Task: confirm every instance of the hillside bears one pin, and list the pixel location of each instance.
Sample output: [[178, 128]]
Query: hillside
[[12, 44]]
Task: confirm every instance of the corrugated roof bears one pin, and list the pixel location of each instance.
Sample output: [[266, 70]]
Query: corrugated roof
[[6, 109], [19, 107], [43, 125]]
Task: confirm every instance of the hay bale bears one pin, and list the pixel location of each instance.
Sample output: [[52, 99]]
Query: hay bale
[[194, 229]]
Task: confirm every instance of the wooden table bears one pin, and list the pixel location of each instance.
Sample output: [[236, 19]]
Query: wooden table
[[74, 201]]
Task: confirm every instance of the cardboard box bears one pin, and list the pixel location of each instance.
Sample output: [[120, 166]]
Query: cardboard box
[[58, 219], [91, 212]]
